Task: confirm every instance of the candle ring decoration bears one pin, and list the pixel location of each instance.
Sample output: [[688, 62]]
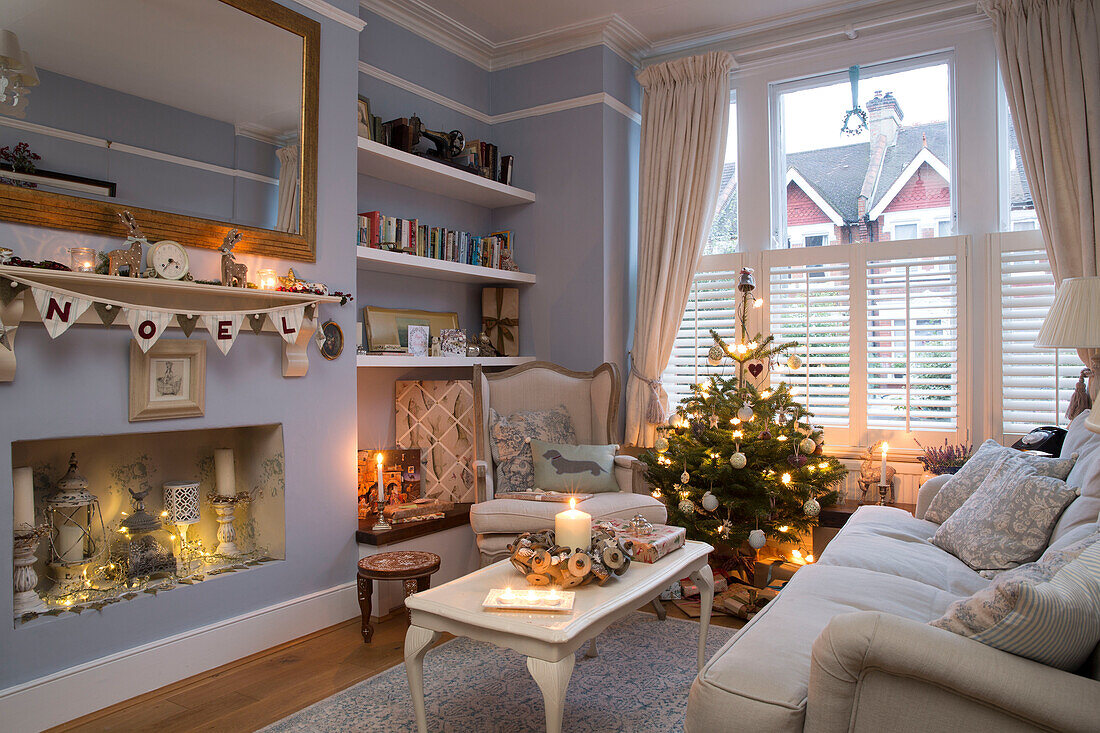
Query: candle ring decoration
[[544, 563]]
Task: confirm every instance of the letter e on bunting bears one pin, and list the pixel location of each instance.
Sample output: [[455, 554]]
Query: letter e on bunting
[[147, 325], [58, 311], [288, 321], [223, 328]]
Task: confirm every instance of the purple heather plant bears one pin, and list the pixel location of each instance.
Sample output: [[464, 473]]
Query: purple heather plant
[[941, 459], [20, 159]]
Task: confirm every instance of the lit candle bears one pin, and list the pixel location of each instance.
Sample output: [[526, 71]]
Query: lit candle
[[573, 528], [23, 480], [532, 596], [882, 468], [267, 278], [70, 542], [224, 472], [381, 490], [507, 596]]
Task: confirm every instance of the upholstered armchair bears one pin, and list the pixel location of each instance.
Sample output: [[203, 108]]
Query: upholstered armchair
[[592, 401]]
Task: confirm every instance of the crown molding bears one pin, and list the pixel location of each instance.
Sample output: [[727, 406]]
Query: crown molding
[[444, 31], [332, 12], [488, 119]]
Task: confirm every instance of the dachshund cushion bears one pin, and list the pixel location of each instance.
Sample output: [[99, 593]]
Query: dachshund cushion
[[574, 468]]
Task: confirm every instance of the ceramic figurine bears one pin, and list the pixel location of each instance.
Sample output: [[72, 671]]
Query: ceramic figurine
[[234, 274], [870, 473]]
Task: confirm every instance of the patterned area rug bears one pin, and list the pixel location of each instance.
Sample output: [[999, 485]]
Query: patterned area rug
[[638, 684]]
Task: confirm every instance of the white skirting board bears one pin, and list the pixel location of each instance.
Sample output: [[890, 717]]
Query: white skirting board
[[71, 693]]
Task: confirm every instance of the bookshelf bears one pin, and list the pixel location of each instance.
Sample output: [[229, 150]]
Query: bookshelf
[[400, 263], [396, 166], [364, 361]]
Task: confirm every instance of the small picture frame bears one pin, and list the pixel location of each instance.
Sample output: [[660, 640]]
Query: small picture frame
[[330, 340], [168, 380], [419, 337]]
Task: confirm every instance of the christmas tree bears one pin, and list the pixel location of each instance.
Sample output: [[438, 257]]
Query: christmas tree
[[740, 460]]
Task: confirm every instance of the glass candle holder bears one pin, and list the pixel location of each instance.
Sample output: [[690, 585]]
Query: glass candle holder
[[82, 259], [268, 279]]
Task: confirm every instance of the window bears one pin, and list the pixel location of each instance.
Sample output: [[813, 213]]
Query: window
[[1017, 207], [1036, 384], [723, 230], [712, 304], [859, 186], [816, 240], [944, 228]]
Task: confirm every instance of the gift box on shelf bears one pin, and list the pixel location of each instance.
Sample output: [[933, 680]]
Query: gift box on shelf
[[651, 546], [744, 601], [500, 319], [672, 592], [413, 510]]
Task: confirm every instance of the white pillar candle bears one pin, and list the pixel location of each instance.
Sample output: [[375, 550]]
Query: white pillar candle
[[23, 481], [882, 467], [224, 473], [70, 543], [381, 490], [573, 528]]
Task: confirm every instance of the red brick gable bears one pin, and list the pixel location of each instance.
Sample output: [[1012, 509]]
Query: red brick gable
[[927, 189], [801, 209]]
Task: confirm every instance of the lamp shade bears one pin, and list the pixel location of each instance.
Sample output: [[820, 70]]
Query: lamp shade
[[11, 54], [28, 72], [1074, 320]]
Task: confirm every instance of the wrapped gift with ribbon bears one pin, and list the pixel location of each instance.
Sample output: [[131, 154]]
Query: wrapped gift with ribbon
[[500, 318]]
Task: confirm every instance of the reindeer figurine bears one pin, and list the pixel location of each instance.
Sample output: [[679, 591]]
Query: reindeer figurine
[[129, 258], [870, 474], [234, 274]]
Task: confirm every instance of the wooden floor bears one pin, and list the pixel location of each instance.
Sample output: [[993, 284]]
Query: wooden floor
[[258, 690]]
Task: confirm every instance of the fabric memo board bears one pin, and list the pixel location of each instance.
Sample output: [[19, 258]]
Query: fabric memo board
[[437, 417]]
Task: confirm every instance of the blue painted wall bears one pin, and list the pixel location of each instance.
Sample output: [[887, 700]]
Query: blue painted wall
[[78, 384]]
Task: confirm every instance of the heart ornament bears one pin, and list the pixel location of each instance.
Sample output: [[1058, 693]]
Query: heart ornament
[[755, 368]]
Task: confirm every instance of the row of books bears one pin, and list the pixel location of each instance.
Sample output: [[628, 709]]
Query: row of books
[[438, 243], [485, 158]]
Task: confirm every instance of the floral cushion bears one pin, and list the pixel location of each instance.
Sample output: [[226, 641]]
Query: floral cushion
[[509, 439], [1008, 520], [966, 481], [1046, 610]]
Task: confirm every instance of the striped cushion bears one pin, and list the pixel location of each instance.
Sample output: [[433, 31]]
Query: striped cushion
[[1055, 622]]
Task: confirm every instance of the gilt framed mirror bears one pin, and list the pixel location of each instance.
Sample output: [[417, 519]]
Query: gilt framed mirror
[[198, 116]]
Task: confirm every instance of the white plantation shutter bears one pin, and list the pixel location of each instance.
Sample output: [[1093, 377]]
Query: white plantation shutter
[[809, 304], [712, 304], [1036, 384], [912, 343]]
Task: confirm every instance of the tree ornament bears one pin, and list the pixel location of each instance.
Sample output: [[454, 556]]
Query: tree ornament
[[756, 368], [724, 529], [709, 502], [820, 449], [715, 355], [797, 459], [686, 506], [794, 361], [746, 283], [812, 507], [766, 435], [661, 444], [698, 427], [744, 413], [713, 420], [685, 476], [738, 460], [757, 539], [808, 445]]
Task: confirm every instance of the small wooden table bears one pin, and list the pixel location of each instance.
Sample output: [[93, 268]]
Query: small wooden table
[[413, 568]]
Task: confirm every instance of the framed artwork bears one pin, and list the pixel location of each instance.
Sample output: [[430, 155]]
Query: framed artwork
[[388, 328], [364, 117], [330, 340], [168, 381]]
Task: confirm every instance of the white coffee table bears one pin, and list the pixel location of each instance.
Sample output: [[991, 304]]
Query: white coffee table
[[548, 639]]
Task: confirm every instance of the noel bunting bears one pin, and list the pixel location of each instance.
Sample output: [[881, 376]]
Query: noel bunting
[[60, 307]]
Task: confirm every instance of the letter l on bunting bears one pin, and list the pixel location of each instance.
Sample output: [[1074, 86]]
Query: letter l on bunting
[[288, 322], [58, 311]]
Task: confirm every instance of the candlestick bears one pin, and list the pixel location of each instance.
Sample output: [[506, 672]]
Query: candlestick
[[25, 580], [573, 528], [227, 533], [23, 481], [224, 474]]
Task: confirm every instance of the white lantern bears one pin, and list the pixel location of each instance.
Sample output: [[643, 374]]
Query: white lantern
[[78, 535]]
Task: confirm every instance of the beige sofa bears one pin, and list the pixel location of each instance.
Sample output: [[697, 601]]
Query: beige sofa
[[846, 645], [592, 400]]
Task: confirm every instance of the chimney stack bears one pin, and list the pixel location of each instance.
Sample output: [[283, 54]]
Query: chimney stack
[[884, 117]]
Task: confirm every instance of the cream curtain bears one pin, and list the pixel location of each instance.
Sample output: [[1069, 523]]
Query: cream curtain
[[1049, 52], [685, 115], [287, 218]]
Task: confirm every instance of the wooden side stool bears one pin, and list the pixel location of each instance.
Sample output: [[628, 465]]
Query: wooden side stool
[[413, 568]]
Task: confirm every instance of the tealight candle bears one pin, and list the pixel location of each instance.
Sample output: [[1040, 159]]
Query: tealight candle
[[267, 278], [573, 528], [507, 595], [532, 596]]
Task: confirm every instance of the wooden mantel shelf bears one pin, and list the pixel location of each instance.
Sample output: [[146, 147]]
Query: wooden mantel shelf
[[185, 297], [455, 517]]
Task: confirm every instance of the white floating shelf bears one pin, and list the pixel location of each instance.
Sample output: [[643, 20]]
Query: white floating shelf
[[403, 360], [390, 164], [401, 263]]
